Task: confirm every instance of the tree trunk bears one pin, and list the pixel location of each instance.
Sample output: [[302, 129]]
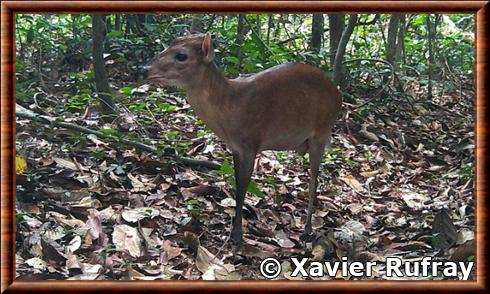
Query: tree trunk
[[270, 23], [131, 25], [140, 21], [338, 75], [336, 28], [258, 25], [239, 38], [117, 24], [107, 22], [197, 23], [101, 82], [400, 43], [430, 60], [392, 38], [316, 33]]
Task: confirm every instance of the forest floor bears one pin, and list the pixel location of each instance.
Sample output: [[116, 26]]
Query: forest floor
[[398, 182]]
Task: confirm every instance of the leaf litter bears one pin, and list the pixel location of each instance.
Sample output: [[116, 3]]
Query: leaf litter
[[391, 186]]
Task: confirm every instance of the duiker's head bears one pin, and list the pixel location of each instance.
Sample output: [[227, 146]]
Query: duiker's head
[[184, 62]]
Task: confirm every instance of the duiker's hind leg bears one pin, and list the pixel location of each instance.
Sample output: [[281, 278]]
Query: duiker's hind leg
[[316, 148]]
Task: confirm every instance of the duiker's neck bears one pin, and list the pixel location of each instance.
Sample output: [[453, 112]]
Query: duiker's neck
[[211, 83]]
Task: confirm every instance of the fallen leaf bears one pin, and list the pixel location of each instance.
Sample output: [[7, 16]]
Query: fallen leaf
[[283, 240], [20, 165], [37, 263], [74, 244], [73, 265], [228, 202], [169, 251], [464, 235], [127, 239], [211, 267], [64, 163], [94, 224], [414, 200], [137, 214], [353, 183]]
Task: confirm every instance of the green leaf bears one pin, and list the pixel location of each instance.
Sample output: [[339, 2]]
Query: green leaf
[[226, 169], [254, 189], [166, 107], [126, 90], [172, 135], [231, 59], [115, 34]]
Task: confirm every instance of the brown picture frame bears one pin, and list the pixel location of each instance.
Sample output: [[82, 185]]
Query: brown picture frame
[[10, 8]]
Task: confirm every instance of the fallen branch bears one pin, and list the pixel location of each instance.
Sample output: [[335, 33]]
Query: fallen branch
[[22, 112]]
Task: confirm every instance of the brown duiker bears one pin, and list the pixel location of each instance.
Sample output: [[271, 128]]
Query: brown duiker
[[287, 107]]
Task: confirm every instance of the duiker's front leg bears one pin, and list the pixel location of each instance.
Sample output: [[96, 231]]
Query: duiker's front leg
[[244, 165], [315, 150]]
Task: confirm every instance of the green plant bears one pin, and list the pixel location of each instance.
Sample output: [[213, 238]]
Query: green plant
[[194, 206], [228, 171]]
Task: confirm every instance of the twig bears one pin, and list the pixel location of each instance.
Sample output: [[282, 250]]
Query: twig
[[27, 114]]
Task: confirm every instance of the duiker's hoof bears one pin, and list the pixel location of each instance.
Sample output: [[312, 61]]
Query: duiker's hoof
[[307, 237], [236, 239]]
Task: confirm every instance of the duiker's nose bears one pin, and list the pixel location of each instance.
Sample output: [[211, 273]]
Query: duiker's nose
[[144, 71]]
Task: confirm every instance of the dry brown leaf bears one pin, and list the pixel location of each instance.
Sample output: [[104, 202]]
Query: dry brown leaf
[[283, 240], [169, 251], [353, 183], [127, 239], [137, 214], [94, 224], [414, 200], [211, 267], [64, 163]]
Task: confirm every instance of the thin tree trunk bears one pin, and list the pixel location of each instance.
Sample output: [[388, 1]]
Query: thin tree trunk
[[336, 28], [391, 40], [270, 23], [430, 60], [338, 75], [239, 38], [276, 34], [19, 37], [117, 24], [131, 26], [258, 25], [140, 22], [196, 23], [101, 82], [107, 22], [400, 43], [316, 32]]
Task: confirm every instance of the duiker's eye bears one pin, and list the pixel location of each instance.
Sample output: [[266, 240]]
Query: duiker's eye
[[181, 57]]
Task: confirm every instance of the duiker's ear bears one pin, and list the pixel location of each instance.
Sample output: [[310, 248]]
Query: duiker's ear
[[207, 49]]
